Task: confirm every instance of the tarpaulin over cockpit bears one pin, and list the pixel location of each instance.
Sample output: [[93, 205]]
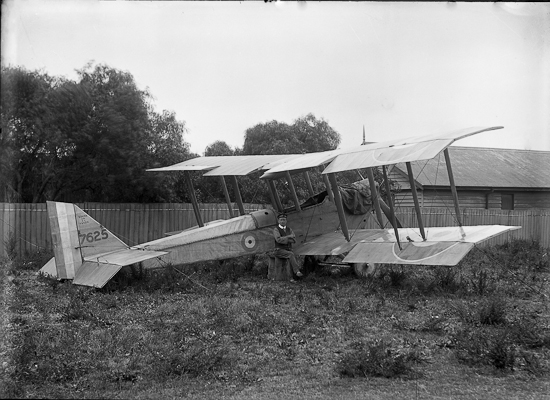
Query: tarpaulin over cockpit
[[356, 197], [356, 201]]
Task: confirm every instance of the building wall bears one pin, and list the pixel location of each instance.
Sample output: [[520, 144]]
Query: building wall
[[527, 200], [474, 199]]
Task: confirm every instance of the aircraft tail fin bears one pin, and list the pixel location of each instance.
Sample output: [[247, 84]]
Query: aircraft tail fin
[[84, 250], [76, 235]]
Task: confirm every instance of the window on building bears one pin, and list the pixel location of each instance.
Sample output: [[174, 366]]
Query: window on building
[[507, 201]]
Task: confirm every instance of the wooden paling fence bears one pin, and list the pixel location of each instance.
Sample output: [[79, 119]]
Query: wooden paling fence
[[535, 223], [25, 227]]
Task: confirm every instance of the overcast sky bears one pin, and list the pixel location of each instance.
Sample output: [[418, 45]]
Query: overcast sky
[[399, 69]]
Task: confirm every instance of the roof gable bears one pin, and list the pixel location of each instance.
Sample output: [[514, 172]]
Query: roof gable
[[486, 167]]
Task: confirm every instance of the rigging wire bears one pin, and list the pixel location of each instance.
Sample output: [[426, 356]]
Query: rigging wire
[[402, 199], [21, 237], [437, 193], [166, 264]]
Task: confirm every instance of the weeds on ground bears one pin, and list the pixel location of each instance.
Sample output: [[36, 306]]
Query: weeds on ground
[[381, 359], [31, 261], [491, 338], [224, 323]]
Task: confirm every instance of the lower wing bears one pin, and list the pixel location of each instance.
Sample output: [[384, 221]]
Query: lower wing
[[443, 245]]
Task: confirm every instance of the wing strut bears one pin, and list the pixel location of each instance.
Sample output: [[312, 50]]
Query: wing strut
[[274, 195], [293, 191], [327, 185], [453, 187], [309, 185], [238, 197], [374, 196], [415, 198], [392, 211], [227, 198], [339, 206], [193, 198]]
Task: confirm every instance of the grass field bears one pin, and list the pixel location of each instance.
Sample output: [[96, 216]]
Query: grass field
[[477, 331]]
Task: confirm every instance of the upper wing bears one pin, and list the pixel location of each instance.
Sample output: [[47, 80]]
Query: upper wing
[[303, 162], [229, 165], [444, 245], [393, 152], [371, 155]]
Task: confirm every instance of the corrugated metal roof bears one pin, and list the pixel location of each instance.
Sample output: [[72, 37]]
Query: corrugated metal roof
[[486, 167]]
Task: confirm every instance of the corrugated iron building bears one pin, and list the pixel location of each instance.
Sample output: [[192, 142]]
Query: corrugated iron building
[[485, 178]]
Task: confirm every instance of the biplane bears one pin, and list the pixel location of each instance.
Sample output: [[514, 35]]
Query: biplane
[[326, 224]]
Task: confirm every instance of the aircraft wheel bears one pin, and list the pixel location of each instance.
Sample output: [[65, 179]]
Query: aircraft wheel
[[364, 270]]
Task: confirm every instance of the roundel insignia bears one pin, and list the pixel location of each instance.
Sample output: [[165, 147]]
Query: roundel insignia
[[249, 241]]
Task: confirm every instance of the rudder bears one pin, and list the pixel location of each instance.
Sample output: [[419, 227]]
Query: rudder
[[76, 235]]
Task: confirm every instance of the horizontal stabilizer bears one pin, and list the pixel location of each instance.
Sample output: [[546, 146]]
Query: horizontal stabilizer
[[49, 269], [125, 256], [95, 274]]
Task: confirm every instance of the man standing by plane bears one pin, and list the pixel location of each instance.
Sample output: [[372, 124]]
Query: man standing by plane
[[284, 237]]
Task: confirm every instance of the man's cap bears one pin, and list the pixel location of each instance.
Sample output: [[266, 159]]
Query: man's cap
[[281, 215]]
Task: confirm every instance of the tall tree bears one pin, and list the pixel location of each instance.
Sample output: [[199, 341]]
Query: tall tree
[[209, 189], [89, 140], [29, 140], [306, 135], [165, 146], [315, 135], [219, 148]]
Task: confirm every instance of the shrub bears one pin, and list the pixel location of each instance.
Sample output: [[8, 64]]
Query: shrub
[[502, 352], [532, 364], [493, 312], [379, 359], [31, 261], [527, 332], [523, 255], [447, 280], [76, 308], [497, 348], [481, 282], [485, 347], [392, 278]]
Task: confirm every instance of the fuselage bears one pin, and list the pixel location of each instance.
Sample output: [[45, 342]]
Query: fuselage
[[245, 235]]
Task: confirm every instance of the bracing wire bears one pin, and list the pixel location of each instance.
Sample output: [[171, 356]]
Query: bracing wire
[[185, 275], [437, 195], [21, 237]]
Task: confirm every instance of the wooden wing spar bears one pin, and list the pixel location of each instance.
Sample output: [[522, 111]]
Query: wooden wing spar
[[88, 253]]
